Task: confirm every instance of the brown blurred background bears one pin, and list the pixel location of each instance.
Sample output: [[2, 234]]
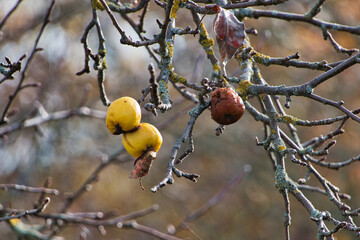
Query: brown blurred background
[[70, 150]]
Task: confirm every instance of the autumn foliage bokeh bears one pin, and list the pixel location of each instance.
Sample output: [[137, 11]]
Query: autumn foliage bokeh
[[69, 150]]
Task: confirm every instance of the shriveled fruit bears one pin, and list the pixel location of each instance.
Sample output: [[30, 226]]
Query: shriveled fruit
[[123, 115], [226, 106], [145, 138], [142, 164]]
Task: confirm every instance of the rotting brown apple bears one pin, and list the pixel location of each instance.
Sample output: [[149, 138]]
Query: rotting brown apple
[[227, 106]]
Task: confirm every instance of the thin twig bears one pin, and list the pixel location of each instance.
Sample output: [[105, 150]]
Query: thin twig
[[148, 230], [171, 165], [315, 9], [77, 218], [27, 212], [55, 116], [27, 64], [214, 200], [2, 23], [105, 161], [24, 188], [337, 46], [256, 13]]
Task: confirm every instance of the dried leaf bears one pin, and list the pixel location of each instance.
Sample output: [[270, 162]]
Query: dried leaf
[[230, 34], [142, 164]]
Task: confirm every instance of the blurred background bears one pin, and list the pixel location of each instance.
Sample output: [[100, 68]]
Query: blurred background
[[69, 150]]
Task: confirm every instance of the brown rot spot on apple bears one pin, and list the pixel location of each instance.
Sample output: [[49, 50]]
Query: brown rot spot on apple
[[226, 106]]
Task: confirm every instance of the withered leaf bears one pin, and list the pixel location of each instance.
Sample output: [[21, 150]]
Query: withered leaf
[[230, 34]]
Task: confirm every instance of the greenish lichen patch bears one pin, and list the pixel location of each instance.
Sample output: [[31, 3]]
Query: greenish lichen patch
[[261, 58], [243, 88], [309, 89], [162, 87], [176, 78], [207, 43], [175, 8], [286, 119], [170, 48], [283, 182]]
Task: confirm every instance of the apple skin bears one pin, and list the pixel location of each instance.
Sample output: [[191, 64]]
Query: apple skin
[[227, 106]]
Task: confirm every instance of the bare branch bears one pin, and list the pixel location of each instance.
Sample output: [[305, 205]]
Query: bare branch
[[24, 188], [2, 23], [47, 117], [337, 46], [315, 9], [27, 64], [117, 221], [255, 13], [171, 166], [214, 200], [254, 3], [27, 212], [105, 161]]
